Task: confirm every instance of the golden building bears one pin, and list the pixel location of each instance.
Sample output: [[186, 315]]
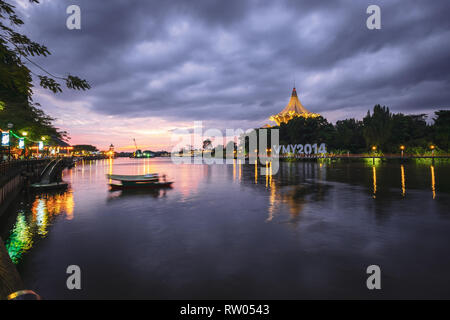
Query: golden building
[[292, 110]]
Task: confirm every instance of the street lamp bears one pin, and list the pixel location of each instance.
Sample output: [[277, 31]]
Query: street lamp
[[432, 147], [374, 148], [402, 148], [43, 138], [24, 133]]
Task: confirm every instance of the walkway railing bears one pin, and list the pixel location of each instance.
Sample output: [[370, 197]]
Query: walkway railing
[[363, 156], [8, 167], [14, 175]]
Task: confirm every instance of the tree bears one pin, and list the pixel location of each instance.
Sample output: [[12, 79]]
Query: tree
[[84, 147], [349, 135], [207, 144], [377, 127], [408, 130], [16, 52], [16, 79], [306, 130], [441, 129], [218, 150]]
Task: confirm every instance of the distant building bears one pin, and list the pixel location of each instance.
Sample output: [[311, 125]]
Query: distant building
[[138, 153], [148, 154], [111, 152], [292, 110], [59, 147]]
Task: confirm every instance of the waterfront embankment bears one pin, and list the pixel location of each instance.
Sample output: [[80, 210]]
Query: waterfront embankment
[[10, 280], [14, 175]]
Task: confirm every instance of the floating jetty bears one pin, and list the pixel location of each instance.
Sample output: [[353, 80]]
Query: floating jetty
[[50, 176]]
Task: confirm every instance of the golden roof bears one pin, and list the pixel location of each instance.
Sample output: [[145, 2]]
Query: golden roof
[[293, 109], [294, 105]]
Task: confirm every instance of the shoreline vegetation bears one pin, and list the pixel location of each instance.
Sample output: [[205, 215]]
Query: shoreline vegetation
[[381, 134], [377, 134]]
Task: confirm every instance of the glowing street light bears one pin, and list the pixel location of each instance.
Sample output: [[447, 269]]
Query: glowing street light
[[432, 147], [43, 138], [373, 156], [402, 148], [24, 133]]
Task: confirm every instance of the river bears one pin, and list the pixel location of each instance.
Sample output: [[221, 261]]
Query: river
[[225, 231]]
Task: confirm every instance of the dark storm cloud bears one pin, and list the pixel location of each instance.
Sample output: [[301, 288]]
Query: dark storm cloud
[[237, 60]]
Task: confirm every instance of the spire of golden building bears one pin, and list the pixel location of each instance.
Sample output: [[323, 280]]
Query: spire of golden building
[[293, 109]]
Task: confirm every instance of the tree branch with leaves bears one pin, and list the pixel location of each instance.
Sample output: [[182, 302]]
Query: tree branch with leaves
[[18, 50]]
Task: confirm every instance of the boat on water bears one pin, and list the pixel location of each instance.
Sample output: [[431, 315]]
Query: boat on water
[[49, 186], [138, 181]]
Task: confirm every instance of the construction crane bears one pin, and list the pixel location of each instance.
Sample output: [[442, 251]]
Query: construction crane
[[138, 153]]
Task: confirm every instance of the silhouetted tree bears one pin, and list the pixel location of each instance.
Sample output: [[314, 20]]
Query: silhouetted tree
[[306, 130], [16, 78], [377, 127], [84, 147], [441, 129], [408, 130], [349, 135]]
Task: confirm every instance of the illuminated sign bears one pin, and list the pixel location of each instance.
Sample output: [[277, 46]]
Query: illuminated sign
[[41, 145], [21, 143], [300, 149], [5, 139]]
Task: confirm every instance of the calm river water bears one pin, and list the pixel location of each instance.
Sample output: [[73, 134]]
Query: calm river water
[[222, 231]]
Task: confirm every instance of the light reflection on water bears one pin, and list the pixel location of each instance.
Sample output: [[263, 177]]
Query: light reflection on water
[[34, 226], [402, 168], [306, 223]]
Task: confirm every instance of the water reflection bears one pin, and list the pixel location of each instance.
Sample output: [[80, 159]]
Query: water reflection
[[295, 175], [290, 189], [256, 171], [374, 174], [110, 168], [433, 182], [219, 220], [294, 198], [240, 170], [129, 193], [30, 228], [402, 168]]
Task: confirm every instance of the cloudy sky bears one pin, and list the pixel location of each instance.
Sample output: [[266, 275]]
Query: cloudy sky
[[155, 66]]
